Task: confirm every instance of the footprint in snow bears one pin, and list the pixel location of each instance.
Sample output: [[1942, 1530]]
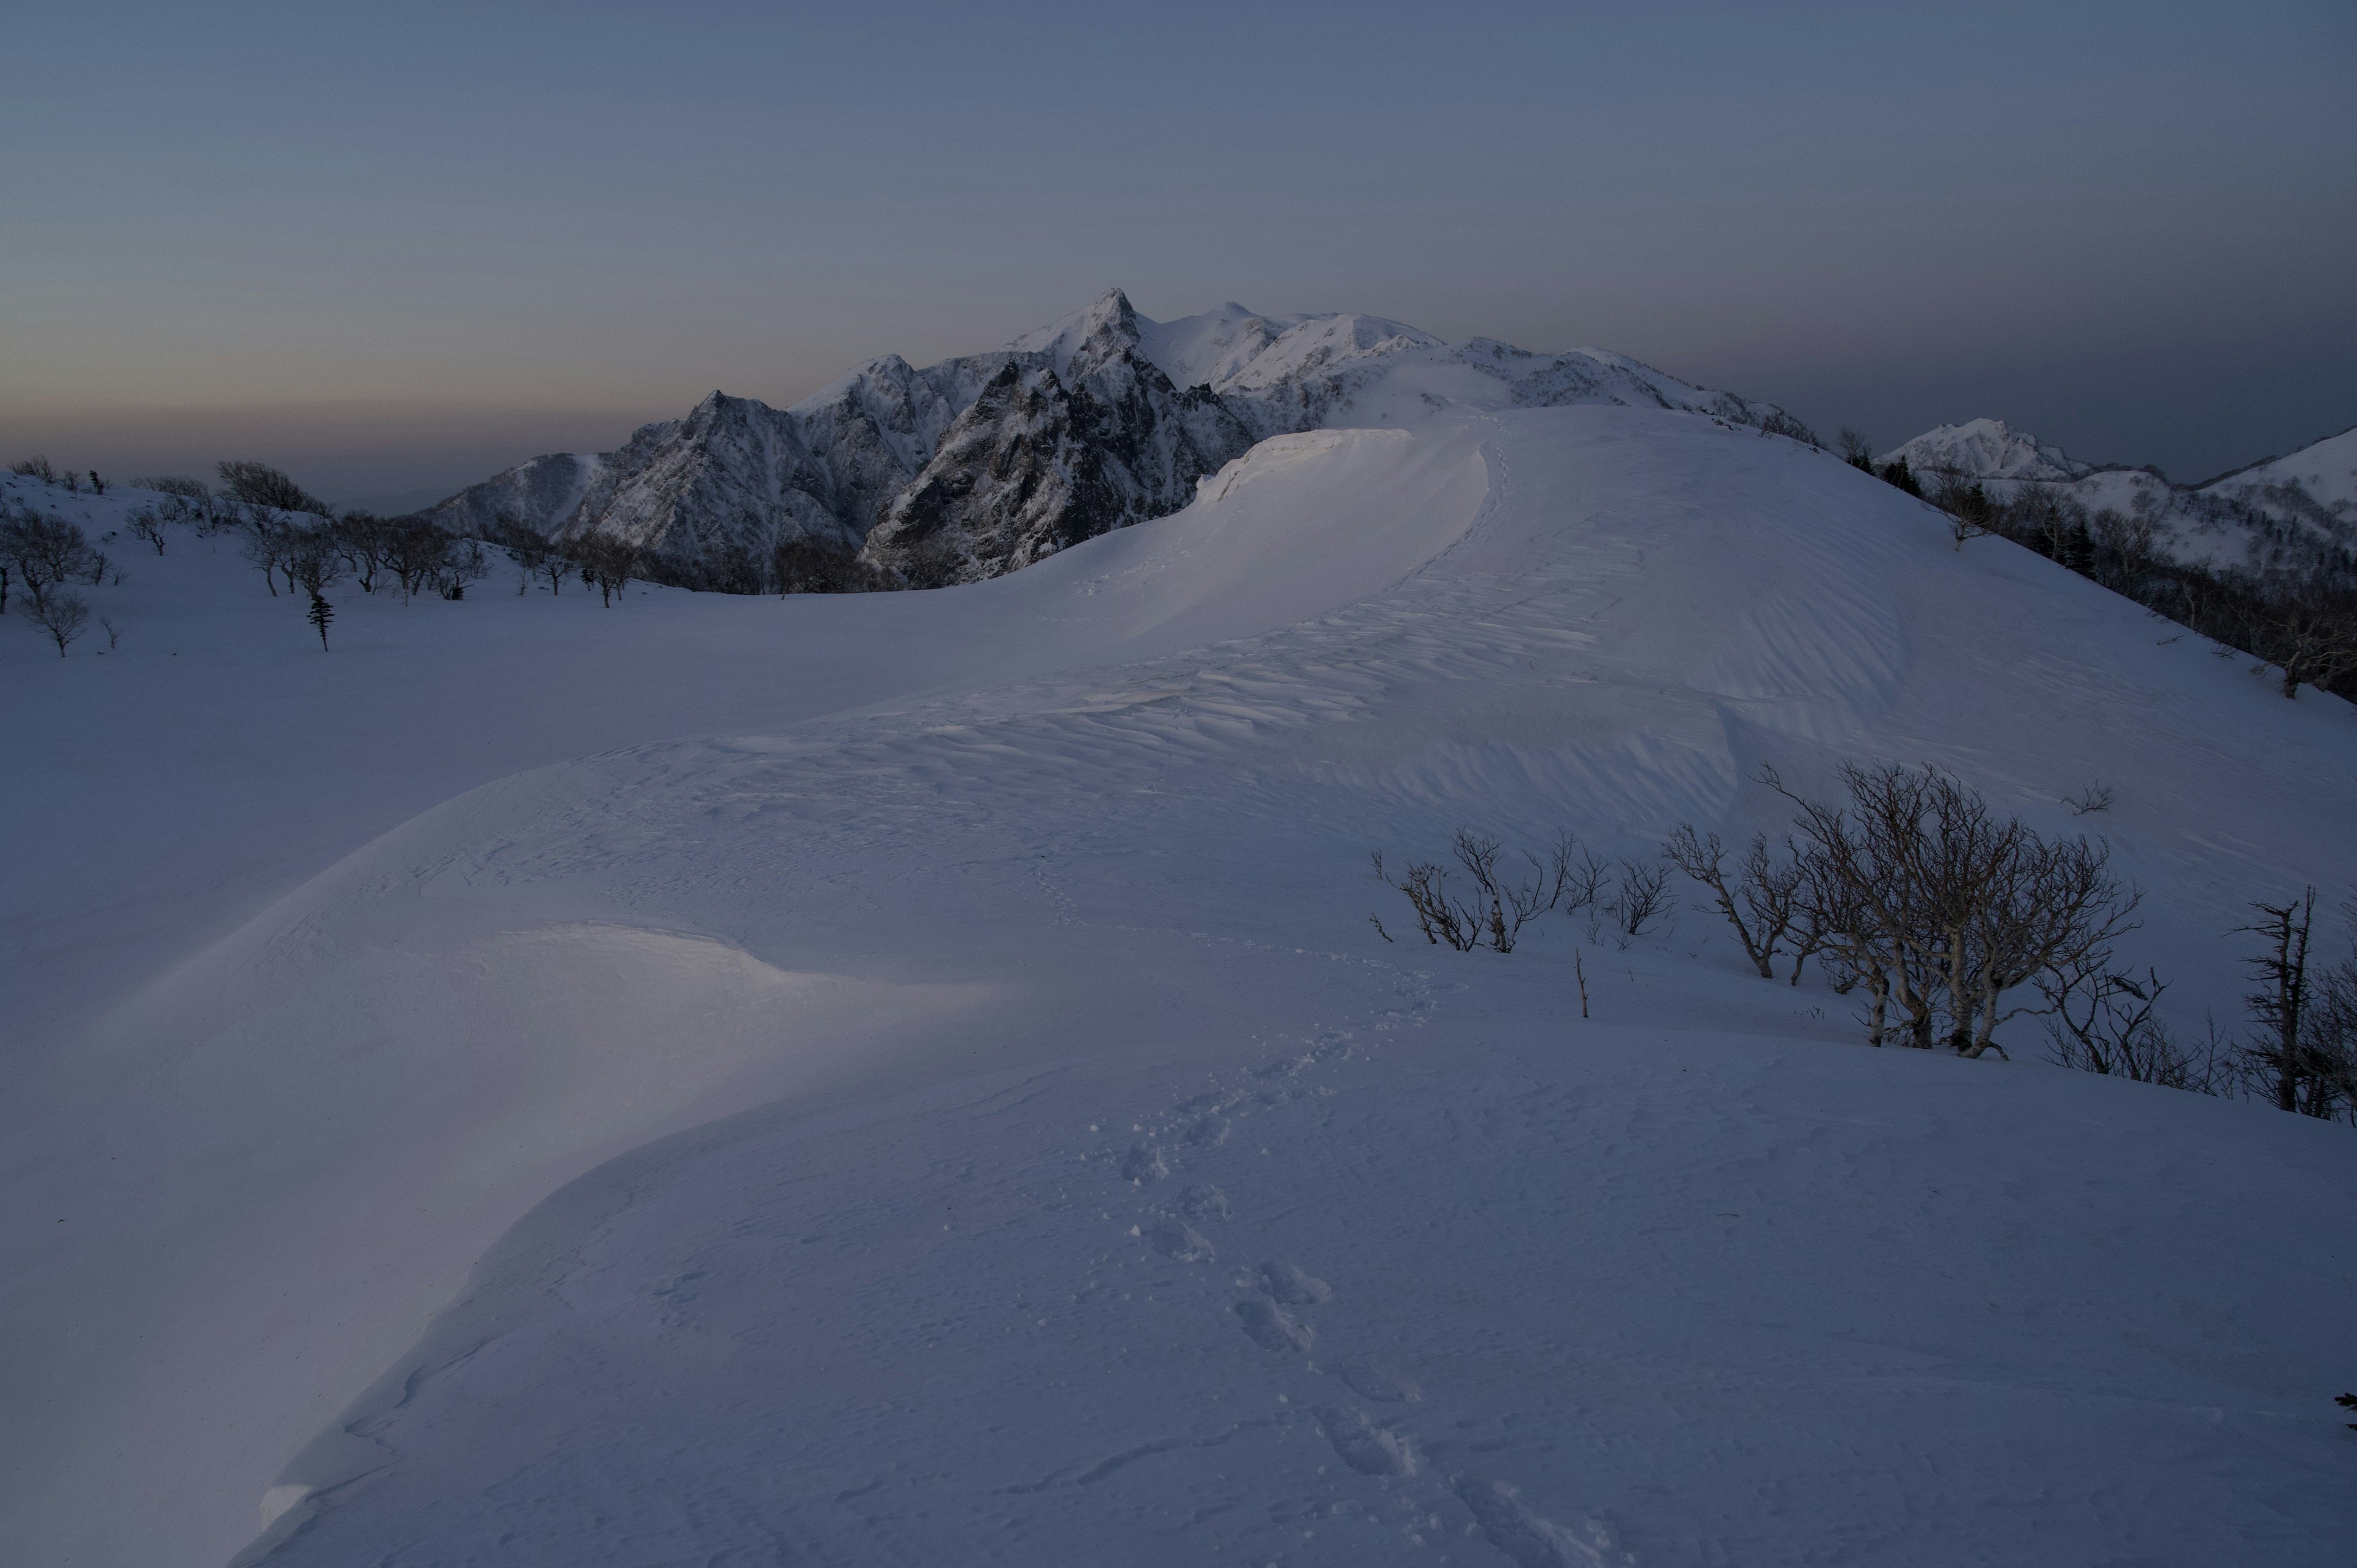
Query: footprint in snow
[[1209, 1131], [1371, 1383], [1369, 1449], [1143, 1163], [1282, 1282], [1175, 1240], [1531, 1540], [1204, 1203], [1272, 1327]]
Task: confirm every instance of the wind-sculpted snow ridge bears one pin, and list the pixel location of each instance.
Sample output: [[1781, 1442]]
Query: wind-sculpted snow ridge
[[977, 466], [957, 1111]]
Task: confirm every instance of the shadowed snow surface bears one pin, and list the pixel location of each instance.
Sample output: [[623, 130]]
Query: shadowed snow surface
[[909, 1079]]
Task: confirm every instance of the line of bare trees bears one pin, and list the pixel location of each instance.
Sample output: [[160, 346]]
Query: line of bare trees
[[1948, 920], [1482, 901]]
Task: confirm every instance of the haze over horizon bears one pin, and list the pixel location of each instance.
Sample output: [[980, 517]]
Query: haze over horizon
[[395, 255]]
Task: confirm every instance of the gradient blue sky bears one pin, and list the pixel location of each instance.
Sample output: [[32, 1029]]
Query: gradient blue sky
[[395, 248]]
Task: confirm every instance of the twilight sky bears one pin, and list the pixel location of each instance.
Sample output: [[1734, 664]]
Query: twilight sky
[[397, 248]]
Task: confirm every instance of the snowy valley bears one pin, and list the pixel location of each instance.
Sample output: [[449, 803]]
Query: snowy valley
[[911, 1076]]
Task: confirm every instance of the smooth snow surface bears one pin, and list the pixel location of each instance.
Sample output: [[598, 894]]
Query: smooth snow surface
[[910, 1079]]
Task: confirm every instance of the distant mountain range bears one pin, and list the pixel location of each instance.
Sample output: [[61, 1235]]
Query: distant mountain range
[[2273, 515], [979, 465]]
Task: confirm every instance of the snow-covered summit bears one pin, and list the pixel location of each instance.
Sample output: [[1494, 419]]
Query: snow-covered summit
[[2287, 514], [1987, 449], [979, 465]]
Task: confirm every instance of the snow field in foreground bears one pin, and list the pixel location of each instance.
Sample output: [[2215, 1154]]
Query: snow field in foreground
[[756, 942]]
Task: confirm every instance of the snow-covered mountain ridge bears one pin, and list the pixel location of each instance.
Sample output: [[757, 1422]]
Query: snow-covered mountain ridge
[[534, 1087], [2270, 516], [976, 465]]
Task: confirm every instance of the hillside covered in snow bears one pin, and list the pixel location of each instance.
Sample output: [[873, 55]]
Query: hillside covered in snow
[[986, 463], [912, 1078], [2284, 514]]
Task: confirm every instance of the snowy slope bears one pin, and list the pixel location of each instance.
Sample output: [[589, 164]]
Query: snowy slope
[[2326, 471], [823, 1078]]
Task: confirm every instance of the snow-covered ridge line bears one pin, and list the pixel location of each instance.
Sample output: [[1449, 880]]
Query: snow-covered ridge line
[[984, 463], [2246, 520]]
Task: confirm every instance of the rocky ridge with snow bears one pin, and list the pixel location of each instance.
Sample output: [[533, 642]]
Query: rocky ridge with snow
[[2283, 513], [979, 465]]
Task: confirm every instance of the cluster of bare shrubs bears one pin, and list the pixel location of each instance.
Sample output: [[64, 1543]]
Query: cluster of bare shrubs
[[1483, 901], [1952, 921], [1949, 921], [42, 470], [40, 554]]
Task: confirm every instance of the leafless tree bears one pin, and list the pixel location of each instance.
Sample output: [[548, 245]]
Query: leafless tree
[[526, 546], [415, 551], [259, 484], [610, 563], [147, 528], [61, 615], [269, 545], [1495, 905], [2280, 997], [2329, 1043], [465, 563], [1970, 514], [1587, 885], [2310, 641], [312, 562], [361, 540], [1941, 909], [44, 551], [2101, 1021], [1760, 903], [113, 633], [1640, 896]]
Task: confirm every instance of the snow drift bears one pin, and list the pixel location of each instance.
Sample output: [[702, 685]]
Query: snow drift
[[910, 1076]]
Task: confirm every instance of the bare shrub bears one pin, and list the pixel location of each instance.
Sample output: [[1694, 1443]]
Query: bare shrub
[[147, 528], [1493, 905], [1762, 901], [1943, 910], [2101, 1021], [259, 484], [2096, 797], [1640, 896], [62, 616], [35, 468]]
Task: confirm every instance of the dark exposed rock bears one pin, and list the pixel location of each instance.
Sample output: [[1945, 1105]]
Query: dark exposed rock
[[978, 465]]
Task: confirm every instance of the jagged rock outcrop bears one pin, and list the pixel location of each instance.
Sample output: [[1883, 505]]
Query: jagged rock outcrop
[[1041, 461], [983, 463]]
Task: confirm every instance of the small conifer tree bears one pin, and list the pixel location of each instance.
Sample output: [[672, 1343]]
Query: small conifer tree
[[319, 615]]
